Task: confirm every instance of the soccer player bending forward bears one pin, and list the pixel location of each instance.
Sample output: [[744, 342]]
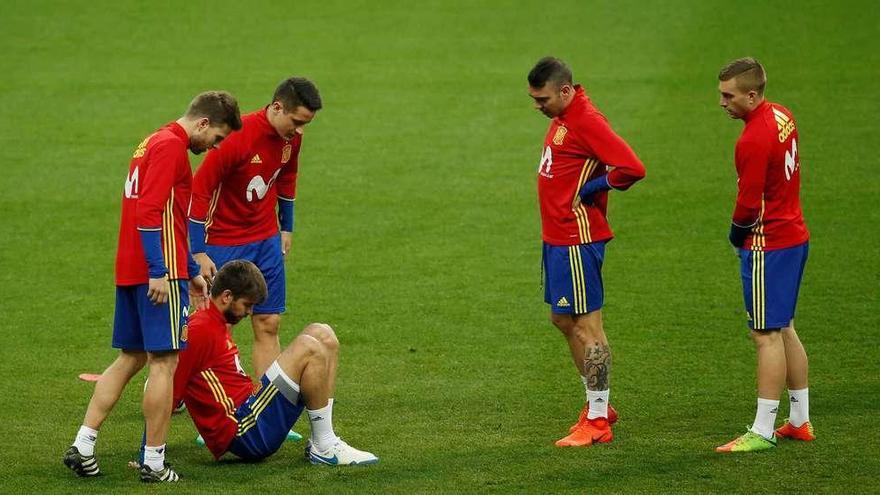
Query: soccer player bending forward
[[771, 240], [252, 422], [582, 159]]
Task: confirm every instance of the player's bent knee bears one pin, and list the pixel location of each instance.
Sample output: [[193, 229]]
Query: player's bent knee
[[308, 347], [324, 333]]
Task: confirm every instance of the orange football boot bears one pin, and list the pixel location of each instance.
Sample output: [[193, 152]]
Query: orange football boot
[[803, 432], [612, 417], [591, 431]]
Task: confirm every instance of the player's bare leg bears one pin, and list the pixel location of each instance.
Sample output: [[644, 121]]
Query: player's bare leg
[[311, 362], [771, 379], [325, 334], [266, 344], [797, 380], [592, 356], [305, 362], [797, 366], [80, 457], [157, 407], [109, 387]]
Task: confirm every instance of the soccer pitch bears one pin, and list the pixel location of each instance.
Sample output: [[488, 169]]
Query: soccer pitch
[[418, 236]]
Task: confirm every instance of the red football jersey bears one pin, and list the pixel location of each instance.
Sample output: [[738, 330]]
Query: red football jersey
[[156, 197], [233, 193], [768, 168], [210, 380], [580, 145]]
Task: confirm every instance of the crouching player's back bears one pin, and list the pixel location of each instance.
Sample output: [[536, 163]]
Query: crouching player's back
[[252, 422]]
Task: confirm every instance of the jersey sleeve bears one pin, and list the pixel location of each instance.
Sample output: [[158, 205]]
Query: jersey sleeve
[[218, 163], [286, 182], [612, 150], [166, 158], [752, 158]]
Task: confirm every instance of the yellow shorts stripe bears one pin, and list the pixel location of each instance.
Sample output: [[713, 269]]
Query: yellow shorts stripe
[[759, 319], [579, 288], [174, 312], [264, 398]]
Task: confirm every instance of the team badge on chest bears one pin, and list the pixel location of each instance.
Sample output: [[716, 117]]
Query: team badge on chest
[[559, 136], [285, 153]]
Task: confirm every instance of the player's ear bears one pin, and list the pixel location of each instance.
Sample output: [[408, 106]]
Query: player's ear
[[203, 123], [226, 297]]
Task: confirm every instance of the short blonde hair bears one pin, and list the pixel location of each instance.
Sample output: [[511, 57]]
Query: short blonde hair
[[749, 74]]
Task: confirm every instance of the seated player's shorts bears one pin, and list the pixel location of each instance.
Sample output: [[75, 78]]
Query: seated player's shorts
[[266, 416], [140, 325], [573, 277], [266, 254], [771, 280]]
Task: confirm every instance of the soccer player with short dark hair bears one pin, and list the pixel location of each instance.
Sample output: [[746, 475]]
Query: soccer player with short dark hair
[[581, 160], [771, 239], [153, 266], [235, 192], [252, 422]]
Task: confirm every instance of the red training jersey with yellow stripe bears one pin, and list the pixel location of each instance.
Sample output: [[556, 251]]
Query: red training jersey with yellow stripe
[[769, 180], [580, 145], [156, 197], [210, 380], [236, 188]]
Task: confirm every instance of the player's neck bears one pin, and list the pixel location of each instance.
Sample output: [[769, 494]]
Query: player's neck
[[189, 125]]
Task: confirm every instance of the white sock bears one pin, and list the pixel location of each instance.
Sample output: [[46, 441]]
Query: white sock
[[765, 417], [598, 403], [154, 457], [323, 436], [800, 406], [85, 440]]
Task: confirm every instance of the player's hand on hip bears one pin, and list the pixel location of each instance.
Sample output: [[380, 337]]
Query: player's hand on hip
[[198, 292], [158, 290], [286, 242], [207, 268]]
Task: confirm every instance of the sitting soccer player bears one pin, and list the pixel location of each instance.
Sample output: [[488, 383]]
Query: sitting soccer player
[[251, 421]]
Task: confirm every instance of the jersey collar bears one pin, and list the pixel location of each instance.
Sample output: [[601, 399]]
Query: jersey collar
[[758, 110]]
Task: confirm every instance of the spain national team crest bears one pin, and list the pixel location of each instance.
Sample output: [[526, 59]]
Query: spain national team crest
[[560, 135], [184, 332], [285, 153]]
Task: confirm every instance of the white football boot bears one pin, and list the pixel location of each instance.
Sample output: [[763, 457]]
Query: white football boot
[[340, 454]]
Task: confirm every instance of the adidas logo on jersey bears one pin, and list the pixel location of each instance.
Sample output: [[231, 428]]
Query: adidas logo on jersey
[[562, 303], [256, 159], [783, 124]]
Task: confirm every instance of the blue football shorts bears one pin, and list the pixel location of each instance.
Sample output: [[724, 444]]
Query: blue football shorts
[[266, 254], [266, 416], [573, 277], [140, 325], [771, 281]]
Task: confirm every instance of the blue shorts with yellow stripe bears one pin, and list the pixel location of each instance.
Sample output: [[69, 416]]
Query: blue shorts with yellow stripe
[[771, 281], [266, 416], [573, 277], [266, 254], [140, 325]]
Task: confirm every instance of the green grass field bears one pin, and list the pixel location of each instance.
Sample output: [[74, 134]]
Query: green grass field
[[418, 236]]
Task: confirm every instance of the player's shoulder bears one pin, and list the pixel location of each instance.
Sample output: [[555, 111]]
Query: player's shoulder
[[171, 138]]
